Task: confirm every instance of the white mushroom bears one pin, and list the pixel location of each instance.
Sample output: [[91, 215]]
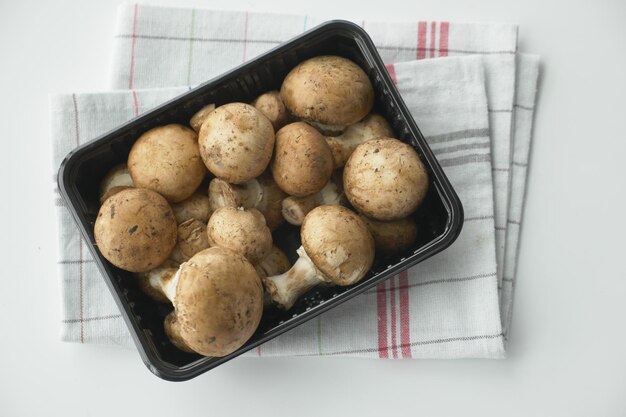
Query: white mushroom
[[336, 248], [385, 179], [236, 142], [330, 92]]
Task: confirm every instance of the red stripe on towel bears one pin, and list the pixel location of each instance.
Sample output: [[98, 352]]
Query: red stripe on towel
[[405, 317], [392, 73], [135, 103], [444, 29], [433, 34], [421, 40], [132, 50], [381, 305], [392, 294]]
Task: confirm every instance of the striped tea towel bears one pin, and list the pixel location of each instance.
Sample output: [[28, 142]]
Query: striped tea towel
[[443, 312]]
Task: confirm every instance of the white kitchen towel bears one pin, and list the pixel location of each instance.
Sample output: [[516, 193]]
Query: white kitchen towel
[[151, 57], [523, 112], [145, 34], [162, 47], [445, 307]]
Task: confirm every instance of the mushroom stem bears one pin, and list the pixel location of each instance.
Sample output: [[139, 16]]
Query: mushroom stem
[[296, 208], [342, 146], [152, 282], [286, 288], [273, 264], [168, 284]]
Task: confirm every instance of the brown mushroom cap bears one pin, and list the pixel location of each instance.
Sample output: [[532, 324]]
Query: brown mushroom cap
[[303, 162], [272, 106], [328, 89], [243, 231], [338, 242], [394, 236], [166, 159], [236, 142], [219, 301], [385, 179], [195, 207], [172, 331], [135, 230], [112, 191], [192, 237], [200, 116]]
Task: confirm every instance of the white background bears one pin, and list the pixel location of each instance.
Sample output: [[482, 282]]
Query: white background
[[568, 345]]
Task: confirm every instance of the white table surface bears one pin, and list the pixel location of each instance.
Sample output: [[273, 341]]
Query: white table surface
[[568, 344]]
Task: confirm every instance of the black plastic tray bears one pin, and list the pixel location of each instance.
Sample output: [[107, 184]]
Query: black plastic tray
[[439, 219]]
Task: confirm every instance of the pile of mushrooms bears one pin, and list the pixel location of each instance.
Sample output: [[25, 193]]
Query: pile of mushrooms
[[193, 211]]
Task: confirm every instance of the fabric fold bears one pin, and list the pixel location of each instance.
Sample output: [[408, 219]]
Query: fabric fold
[[472, 103]]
